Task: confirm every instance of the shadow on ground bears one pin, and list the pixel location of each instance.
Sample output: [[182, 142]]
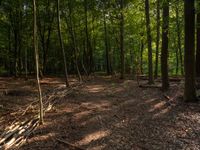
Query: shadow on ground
[[109, 115]]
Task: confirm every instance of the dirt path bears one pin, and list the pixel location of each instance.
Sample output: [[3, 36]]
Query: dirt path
[[108, 115]]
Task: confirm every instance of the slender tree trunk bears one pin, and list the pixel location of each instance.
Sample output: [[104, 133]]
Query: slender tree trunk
[[141, 55], [149, 39], [122, 39], [73, 37], [35, 44], [157, 38], [87, 37], [198, 46], [190, 91], [177, 61], [61, 43], [179, 39], [26, 67], [164, 50], [108, 69], [15, 53]]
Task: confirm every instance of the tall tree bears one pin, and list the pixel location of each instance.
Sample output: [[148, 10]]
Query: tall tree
[[190, 91], [61, 43], [35, 44], [71, 28], [108, 63], [157, 38], [149, 41], [164, 50], [122, 39], [198, 41], [178, 26], [88, 47]]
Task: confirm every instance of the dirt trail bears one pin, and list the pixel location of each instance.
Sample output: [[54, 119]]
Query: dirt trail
[[106, 114]]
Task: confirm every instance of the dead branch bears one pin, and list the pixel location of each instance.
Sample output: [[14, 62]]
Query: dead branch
[[17, 133]]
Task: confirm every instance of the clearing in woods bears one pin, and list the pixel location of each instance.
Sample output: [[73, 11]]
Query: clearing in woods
[[103, 113]]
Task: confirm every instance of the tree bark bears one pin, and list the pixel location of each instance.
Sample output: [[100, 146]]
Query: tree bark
[[122, 39], [141, 55], [157, 38], [179, 39], [73, 37], [164, 50], [198, 46], [149, 41], [35, 44], [189, 91], [61, 43], [108, 68]]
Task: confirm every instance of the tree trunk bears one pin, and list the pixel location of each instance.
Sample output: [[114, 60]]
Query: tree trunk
[[89, 53], [164, 50], [179, 39], [149, 39], [122, 39], [61, 43], [157, 38], [35, 44], [73, 37], [198, 46], [108, 69], [177, 60], [189, 91], [141, 55]]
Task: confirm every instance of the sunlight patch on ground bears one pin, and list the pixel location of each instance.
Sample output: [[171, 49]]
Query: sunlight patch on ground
[[162, 112], [41, 138], [151, 100], [102, 105], [82, 114], [100, 147], [157, 106], [95, 89], [93, 137]]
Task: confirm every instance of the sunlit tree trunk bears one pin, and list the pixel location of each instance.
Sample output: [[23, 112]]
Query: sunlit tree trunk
[[61, 43], [190, 91], [149, 41], [35, 44]]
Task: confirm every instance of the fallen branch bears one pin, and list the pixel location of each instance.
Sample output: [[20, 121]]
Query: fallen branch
[[17, 133]]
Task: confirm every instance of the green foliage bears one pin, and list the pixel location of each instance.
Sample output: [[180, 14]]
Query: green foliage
[[16, 19]]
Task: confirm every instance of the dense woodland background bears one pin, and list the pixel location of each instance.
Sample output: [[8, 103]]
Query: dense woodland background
[[83, 37], [92, 30], [155, 43]]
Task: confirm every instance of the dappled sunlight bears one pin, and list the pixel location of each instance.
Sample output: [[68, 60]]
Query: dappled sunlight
[[95, 88], [100, 147], [98, 106], [151, 100], [41, 138], [93, 137], [161, 112], [157, 106], [82, 114]]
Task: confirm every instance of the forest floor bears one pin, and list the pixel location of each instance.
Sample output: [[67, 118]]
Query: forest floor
[[105, 114]]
